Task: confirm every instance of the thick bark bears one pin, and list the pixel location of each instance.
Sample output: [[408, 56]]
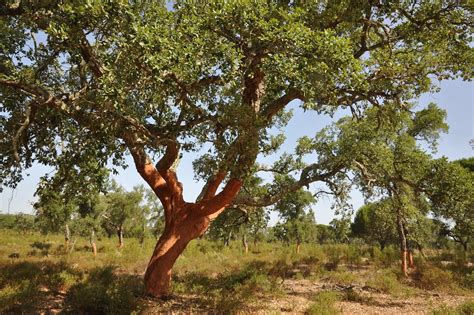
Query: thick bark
[[120, 236], [404, 262], [183, 221], [176, 236], [244, 243]]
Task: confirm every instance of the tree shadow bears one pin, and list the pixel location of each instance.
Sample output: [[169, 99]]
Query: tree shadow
[[29, 287], [50, 287], [229, 292]]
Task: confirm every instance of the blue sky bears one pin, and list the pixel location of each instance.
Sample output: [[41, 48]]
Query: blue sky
[[456, 97]]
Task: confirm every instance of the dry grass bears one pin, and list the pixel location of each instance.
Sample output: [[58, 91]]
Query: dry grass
[[38, 275]]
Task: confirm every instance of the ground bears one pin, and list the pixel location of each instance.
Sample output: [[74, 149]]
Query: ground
[[37, 275]]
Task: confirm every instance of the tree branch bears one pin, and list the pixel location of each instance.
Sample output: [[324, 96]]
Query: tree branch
[[273, 108]]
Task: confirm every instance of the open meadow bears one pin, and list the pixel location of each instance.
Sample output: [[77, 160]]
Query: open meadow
[[38, 276]]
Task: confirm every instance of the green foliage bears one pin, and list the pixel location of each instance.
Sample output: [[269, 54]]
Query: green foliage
[[298, 224], [21, 222], [324, 304], [375, 223], [104, 293], [430, 277], [451, 191]]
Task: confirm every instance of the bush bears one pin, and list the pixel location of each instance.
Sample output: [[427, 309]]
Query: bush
[[385, 258], [386, 281], [104, 293], [430, 277], [324, 304]]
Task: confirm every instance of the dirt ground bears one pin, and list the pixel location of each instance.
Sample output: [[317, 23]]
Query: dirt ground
[[298, 294]]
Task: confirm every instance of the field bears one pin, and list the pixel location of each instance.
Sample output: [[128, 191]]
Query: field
[[37, 275]]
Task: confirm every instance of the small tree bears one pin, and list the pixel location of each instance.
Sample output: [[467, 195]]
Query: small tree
[[24, 222], [123, 209], [298, 224]]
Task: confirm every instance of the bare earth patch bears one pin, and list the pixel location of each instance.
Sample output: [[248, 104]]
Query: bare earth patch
[[300, 292]]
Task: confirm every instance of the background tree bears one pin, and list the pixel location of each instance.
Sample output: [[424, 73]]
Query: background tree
[[389, 162], [115, 78], [325, 234], [123, 210], [297, 220], [450, 186], [375, 223], [341, 229], [89, 216], [54, 214]]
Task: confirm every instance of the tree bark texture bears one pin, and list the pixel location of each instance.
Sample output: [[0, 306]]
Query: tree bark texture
[[183, 221]]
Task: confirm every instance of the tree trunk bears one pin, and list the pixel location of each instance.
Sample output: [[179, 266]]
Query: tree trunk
[[92, 242], [298, 245], [403, 245], [227, 239], [244, 243], [67, 236], [183, 221], [120, 236], [176, 236], [411, 263]]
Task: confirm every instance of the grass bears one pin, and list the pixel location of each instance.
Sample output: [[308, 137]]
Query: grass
[[466, 308], [38, 275], [324, 304]]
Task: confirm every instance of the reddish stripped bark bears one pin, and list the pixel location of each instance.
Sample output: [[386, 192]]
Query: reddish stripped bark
[[183, 221]]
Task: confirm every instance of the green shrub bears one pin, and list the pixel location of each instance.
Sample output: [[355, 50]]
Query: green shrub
[[342, 277], [104, 293], [324, 304], [385, 258], [19, 298], [336, 255], [386, 281], [430, 277], [354, 296]]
